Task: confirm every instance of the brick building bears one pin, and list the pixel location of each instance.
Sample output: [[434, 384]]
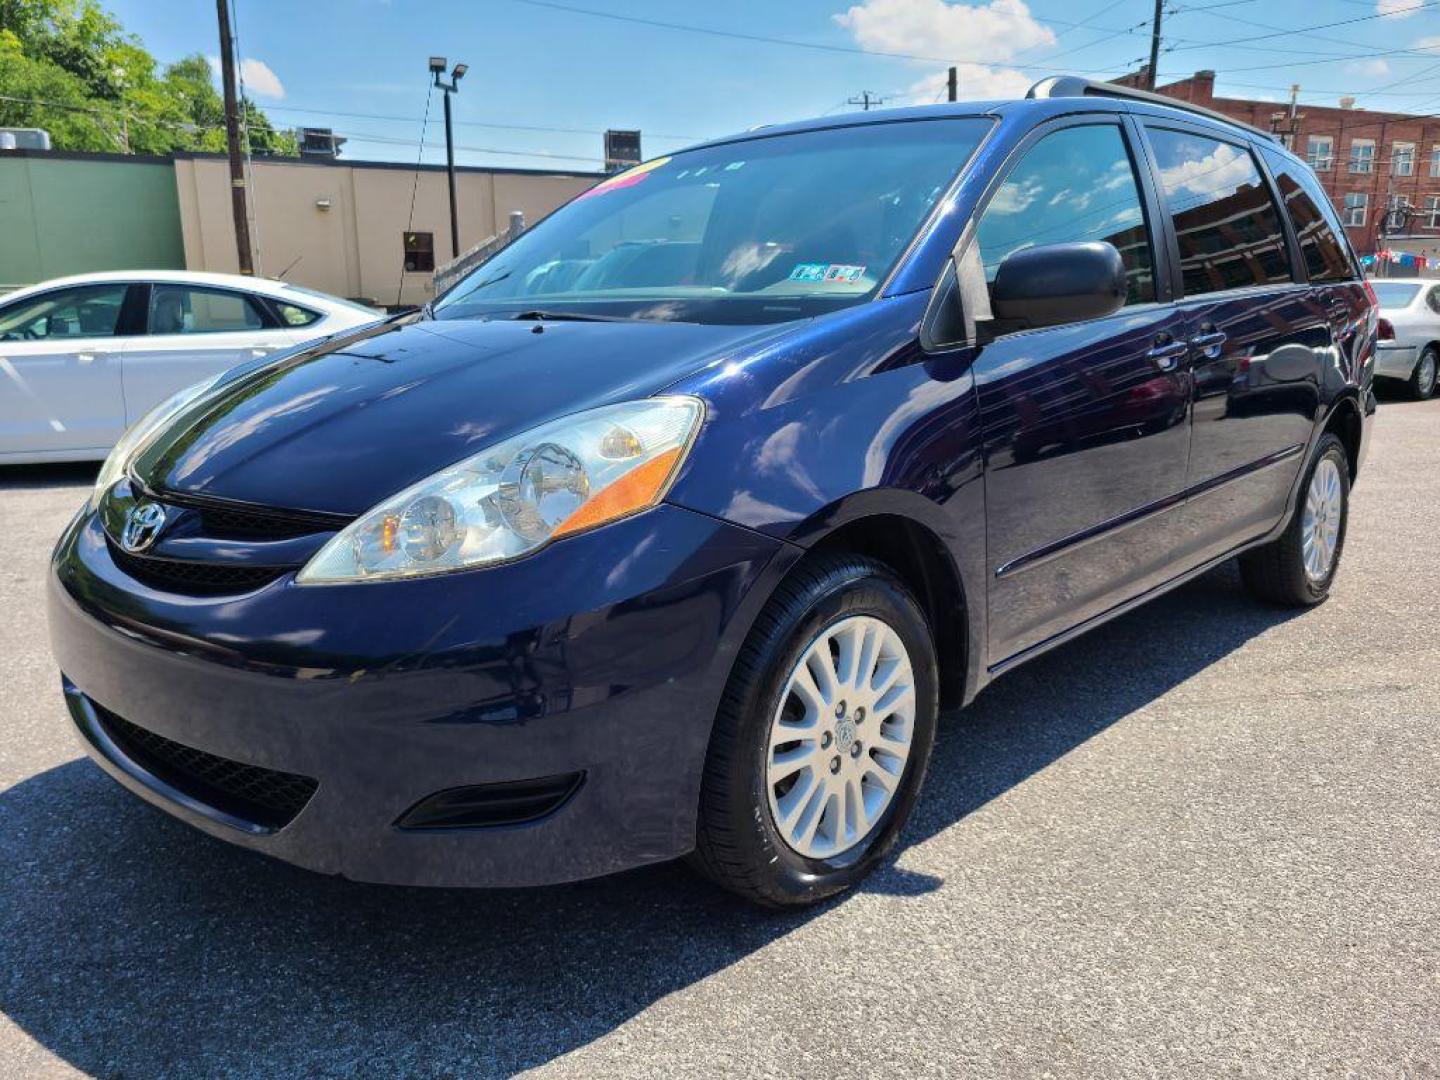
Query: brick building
[[1367, 160]]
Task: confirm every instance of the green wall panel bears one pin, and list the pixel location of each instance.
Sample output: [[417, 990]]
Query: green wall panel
[[65, 216]]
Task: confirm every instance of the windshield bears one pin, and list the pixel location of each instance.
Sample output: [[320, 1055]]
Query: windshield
[[1394, 295], [758, 231]]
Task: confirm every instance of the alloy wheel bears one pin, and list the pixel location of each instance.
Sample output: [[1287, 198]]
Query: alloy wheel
[[1425, 375], [840, 737], [1320, 526]]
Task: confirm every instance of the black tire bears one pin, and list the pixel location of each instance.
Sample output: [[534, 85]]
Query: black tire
[[737, 844], [1422, 379], [1275, 572]]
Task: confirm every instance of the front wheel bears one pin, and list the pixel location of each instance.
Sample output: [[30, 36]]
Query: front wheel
[[1298, 569], [823, 736]]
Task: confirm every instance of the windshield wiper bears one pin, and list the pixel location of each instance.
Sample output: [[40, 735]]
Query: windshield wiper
[[539, 315]]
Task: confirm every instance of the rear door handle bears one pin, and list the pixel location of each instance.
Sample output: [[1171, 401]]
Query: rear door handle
[[1209, 344], [1167, 356]]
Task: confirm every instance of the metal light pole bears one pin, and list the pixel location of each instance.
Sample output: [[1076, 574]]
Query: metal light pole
[[437, 70]]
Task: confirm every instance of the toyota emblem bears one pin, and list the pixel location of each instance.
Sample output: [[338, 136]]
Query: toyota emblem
[[142, 526]]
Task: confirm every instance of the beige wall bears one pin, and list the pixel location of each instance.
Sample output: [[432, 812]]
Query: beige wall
[[355, 247]]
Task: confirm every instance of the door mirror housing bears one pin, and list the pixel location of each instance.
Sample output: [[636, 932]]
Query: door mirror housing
[[1058, 283]]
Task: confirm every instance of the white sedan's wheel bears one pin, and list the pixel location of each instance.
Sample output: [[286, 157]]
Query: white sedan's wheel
[[841, 737]]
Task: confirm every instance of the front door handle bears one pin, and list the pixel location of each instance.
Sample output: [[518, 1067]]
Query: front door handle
[[1209, 344], [1167, 356]]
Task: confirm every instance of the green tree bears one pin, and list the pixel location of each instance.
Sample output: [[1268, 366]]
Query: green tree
[[68, 66]]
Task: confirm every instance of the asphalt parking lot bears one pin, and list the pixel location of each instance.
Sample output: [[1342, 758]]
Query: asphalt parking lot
[[1204, 840]]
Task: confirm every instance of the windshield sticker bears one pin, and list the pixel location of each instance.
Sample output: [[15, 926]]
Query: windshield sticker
[[830, 273], [628, 178]]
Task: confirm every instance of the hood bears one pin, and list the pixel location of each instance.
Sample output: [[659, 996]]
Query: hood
[[340, 426]]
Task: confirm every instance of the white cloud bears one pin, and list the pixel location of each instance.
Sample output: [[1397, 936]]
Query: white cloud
[[1375, 66], [977, 83], [1397, 9], [260, 81], [997, 30], [1219, 173], [1427, 44]]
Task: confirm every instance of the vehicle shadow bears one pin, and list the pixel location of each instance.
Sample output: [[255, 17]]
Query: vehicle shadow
[[48, 475], [132, 945]]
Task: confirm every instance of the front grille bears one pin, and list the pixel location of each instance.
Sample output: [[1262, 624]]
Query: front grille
[[267, 797], [242, 524], [194, 578]]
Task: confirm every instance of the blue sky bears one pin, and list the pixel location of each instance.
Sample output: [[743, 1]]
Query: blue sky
[[544, 64]]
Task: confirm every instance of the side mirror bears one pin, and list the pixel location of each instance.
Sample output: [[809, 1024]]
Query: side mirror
[[1059, 283]]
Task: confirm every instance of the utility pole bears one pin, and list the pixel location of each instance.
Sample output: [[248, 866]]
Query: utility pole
[[1287, 124], [437, 70], [866, 99], [1154, 44], [232, 138], [954, 85]]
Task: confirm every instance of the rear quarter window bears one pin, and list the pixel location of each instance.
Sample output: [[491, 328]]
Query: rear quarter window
[[1326, 256], [294, 314]]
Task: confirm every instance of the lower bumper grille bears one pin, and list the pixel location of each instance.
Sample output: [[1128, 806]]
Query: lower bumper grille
[[267, 797], [511, 802]]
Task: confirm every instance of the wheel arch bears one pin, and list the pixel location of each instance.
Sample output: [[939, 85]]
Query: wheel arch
[[1346, 423], [920, 558]]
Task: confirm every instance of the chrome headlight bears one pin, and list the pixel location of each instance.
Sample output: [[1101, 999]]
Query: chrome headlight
[[558, 479], [140, 433]]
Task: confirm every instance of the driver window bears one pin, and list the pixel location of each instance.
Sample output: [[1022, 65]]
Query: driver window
[[88, 312], [1077, 184]]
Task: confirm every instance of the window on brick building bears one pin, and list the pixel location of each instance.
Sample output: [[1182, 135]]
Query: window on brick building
[[1402, 158], [1432, 211], [1320, 152], [1362, 155], [1357, 204], [1435, 161]]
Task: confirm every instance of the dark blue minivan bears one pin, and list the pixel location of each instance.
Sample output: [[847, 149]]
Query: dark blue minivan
[[672, 527]]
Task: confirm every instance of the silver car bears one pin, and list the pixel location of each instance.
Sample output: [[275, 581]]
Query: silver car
[[1409, 346]]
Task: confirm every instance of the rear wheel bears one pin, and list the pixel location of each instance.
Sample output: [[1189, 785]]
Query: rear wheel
[[1422, 379], [823, 737], [1297, 569]]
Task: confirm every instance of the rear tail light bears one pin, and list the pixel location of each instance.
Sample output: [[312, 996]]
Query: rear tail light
[[1370, 294], [1386, 331]]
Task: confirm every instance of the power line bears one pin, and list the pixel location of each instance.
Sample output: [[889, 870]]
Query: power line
[[1422, 5], [474, 123], [852, 50], [415, 186]]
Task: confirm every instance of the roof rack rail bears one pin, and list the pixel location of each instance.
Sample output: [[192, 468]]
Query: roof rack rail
[[1064, 86]]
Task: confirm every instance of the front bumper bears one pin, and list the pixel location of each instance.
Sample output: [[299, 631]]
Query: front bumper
[[602, 656], [1395, 361]]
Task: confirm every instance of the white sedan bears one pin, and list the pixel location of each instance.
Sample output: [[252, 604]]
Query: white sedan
[[82, 358], [1409, 347]]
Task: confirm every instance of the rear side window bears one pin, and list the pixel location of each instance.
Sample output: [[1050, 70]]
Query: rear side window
[[184, 309], [1393, 295], [84, 312], [1076, 184], [1225, 221], [1324, 254]]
